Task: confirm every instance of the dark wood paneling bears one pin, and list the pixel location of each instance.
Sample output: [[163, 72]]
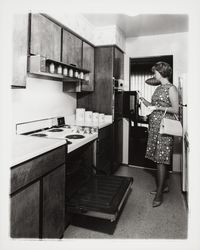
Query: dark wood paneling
[[23, 174], [20, 49], [104, 150], [84, 100], [137, 147], [79, 168], [118, 72], [45, 37], [102, 97], [88, 63], [104, 145], [25, 213], [71, 49], [54, 203], [117, 143], [105, 132], [66, 28]]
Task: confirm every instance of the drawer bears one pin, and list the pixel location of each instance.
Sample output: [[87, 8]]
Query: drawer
[[105, 132], [29, 171]]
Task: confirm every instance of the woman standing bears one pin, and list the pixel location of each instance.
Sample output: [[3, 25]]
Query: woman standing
[[160, 147]]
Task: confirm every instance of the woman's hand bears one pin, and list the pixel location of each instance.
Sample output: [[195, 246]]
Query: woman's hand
[[152, 108], [142, 99], [145, 102]]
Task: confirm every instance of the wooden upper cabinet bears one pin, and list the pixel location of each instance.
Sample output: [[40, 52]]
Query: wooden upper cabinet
[[71, 49], [20, 49], [118, 70], [102, 97], [88, 63], [45, 37]]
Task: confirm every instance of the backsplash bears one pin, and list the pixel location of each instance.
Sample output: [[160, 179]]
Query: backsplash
[[40, 100]]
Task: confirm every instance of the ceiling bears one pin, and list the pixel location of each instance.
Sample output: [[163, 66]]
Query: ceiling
[[143, 24]]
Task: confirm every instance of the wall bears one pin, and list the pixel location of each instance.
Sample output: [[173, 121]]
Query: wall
[[41, 99], [97, 35], [168, 44], [77, 23], [109, 35]]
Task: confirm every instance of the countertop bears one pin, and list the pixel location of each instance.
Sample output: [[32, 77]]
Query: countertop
[[27, 147], [78, 143]]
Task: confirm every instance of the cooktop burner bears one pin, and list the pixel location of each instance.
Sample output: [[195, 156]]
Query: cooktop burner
[[39, 135], [56, 130], [75, 136]]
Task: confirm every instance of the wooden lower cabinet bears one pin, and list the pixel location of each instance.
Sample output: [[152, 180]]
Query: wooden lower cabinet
[[25, 212], [104, 150], [117, 144], [54, 204], [38, 196]]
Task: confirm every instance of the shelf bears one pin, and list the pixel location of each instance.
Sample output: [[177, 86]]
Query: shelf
[[38, 67], [39, 73], [69, 66], [57, 77]]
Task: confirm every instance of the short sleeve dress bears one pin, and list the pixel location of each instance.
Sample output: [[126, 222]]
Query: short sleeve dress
[[159, 147]]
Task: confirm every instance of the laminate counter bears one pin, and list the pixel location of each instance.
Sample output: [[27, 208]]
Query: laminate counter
[[27, 147]]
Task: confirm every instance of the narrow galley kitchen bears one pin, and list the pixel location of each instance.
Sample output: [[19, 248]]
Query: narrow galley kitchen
[[87, 106]]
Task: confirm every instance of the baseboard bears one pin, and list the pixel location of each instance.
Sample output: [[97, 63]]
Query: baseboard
[[134, 166]]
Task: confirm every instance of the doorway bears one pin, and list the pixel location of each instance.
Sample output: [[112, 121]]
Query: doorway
[[140, 71]]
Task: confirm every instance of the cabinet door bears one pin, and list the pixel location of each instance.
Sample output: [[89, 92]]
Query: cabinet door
[[25, 213], [88, 63], [20, 48], [118, 71], [102, 98], [54, 203], [104, 150], [117, 143], [71, 49], [45, 37], [138, 137]]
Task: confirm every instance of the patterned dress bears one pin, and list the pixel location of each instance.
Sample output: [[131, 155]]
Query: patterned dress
[[159, 147]]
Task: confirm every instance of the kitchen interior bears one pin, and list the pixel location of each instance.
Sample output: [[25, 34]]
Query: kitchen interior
[[80, 132]]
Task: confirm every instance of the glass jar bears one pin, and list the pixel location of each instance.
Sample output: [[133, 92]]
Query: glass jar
[[52, 68], [87, 78], [59, 69], [81, 75], [65, 71], [76, 73], [71, 72]]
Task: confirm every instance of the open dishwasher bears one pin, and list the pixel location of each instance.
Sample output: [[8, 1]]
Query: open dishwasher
[[94, 201]]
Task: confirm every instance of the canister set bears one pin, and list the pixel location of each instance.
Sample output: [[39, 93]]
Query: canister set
[[88, 116], [63, 70]]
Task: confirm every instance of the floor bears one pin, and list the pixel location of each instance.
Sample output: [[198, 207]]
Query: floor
[[139, 220]]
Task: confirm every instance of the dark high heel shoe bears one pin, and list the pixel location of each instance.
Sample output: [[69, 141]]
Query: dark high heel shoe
[[165, 190], [157, 203]]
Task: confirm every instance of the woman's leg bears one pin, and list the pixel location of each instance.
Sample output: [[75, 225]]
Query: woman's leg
[[161, 178], [166, 187]]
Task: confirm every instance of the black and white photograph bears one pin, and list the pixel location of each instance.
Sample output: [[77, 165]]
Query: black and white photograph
[[99, 125]]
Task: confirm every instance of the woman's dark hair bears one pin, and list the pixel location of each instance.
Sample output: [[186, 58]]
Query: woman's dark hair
[[163, 68]]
